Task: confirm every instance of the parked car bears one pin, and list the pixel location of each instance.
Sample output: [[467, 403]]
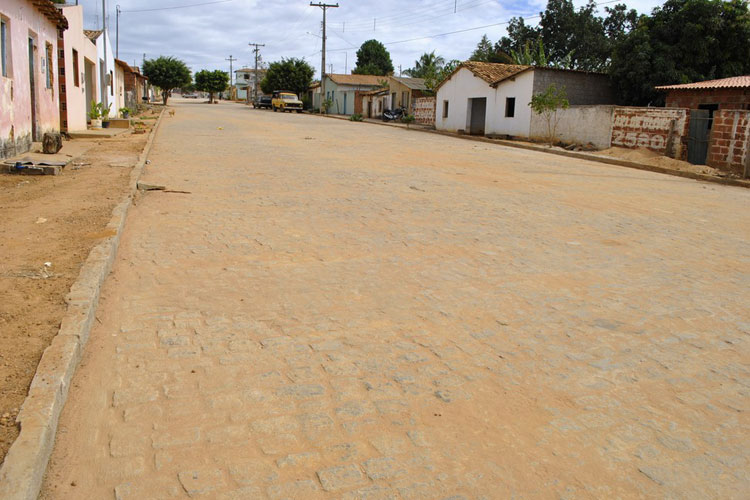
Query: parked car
[[191, 95], [263, 102], [286, 101]]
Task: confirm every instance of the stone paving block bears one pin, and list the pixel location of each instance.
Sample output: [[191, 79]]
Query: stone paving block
[[292, 490], [203, 482], [134, 396], [252, 472], [374, 492], [301, 391], [341, 477], [307, 459], [175, 438], [383, 468]]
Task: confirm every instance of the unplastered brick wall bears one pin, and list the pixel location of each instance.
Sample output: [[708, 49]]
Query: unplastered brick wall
[[729, 149], [659, 129], [424, 110]]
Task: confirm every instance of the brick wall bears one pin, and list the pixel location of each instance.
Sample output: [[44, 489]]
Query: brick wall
[[729, 148], [725, 98], [424, 110], [659, 129]]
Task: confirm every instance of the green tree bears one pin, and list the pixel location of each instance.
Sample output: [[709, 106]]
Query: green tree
[[533, 54], [288, 74], [680, 42], [547, 104], [432, 81], [167, 73], [428, 65], [373, 59], [211, 82], [520, 35], [487, 52]]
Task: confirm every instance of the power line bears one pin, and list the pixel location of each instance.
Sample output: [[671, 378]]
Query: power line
[[462, 30], [179, 6]]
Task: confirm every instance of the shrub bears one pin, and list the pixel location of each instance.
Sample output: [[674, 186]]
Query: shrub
[[408, 119], [356, 117]]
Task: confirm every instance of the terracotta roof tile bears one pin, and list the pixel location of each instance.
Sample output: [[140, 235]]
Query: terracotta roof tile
[[52, 12], [370, 80], [492, 73], [734, 82], [92, 34]]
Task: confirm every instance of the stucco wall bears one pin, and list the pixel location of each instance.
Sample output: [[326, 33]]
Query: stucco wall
[[15, 91], [110, 97], [76, 105], [579, 125], [464, 86]]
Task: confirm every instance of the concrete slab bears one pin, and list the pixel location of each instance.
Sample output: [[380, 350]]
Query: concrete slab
[[103, 133]]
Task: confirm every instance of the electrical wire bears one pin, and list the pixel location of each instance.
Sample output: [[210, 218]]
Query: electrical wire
[[177, 7]]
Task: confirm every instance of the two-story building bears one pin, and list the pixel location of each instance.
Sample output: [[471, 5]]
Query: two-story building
[[245, 80]]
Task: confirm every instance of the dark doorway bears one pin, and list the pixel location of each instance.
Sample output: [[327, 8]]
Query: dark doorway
[[32, 86], [700, 120], [477, 115]]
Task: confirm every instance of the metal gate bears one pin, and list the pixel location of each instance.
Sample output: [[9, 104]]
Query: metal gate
[[700, 121]]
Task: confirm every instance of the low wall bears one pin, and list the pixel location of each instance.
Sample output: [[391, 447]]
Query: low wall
[[578, 125], [659, 129], [729, 148], [424, 110]]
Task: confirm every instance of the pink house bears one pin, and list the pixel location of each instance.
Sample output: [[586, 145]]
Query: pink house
[[29, 93]]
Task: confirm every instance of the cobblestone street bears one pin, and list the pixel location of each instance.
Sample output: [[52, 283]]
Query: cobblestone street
[[343, 310]]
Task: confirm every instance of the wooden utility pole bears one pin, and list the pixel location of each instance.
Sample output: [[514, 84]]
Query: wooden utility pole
[[324, 6], [231, 74], [255, 76]]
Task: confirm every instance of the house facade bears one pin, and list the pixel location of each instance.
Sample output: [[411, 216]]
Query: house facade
[[105, 70], [29, 94], [404, 90], [77, 71], [493, 99], [244, 82], [342, 91]]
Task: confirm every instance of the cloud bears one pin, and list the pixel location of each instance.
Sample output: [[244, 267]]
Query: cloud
[[205, 36]]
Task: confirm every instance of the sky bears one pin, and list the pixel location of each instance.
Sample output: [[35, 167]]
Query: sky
[[205, 33]]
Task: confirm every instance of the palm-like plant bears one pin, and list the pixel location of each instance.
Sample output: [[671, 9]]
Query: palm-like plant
[[428, 64]]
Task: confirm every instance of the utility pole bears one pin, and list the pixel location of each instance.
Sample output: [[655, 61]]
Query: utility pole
[[324, 6], [231, 85], [117, 27], [255, 76]]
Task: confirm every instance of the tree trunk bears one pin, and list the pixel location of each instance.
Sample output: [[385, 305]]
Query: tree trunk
[[164, 96], [210, 97]]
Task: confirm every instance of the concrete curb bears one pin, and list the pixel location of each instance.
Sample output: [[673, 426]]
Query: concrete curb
[[727, 181], [25, 464]]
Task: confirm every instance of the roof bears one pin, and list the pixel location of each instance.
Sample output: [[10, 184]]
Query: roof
[[372, 80], [734, 82], [492, 73], [92, 34], [51, 12], [411, 82], [376, 92], [124, 65]]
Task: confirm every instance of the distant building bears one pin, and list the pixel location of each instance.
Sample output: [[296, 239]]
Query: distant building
[[493, 99], [29, 92], [106, 73], [342, 91], [244, 81]]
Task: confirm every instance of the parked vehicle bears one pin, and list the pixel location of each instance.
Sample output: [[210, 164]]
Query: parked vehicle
[[286, 101], [262, 102], [191, 95], [393, 114]]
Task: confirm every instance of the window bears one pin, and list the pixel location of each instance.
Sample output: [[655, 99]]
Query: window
[[48, 54], [4, 49], [445, 109], [76, 73], [510, 107]]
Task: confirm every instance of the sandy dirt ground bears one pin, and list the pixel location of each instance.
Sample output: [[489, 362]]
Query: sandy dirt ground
[[57, 220], [350, 311], [643, 155]]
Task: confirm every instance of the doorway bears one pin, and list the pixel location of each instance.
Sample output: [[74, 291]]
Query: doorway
[[477, 115], [90, 72], [32, 87], [700, 121]]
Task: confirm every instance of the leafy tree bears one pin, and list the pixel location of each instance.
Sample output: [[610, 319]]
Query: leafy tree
[[428, 64], [487, 52], [682, 41], [373, 59], [533, 54], [433, 80], [288, 74], [519, 36], [167, 73], [211, 82], [547, 104]]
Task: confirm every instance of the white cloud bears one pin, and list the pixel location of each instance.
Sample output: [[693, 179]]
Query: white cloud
[[205, 36]]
